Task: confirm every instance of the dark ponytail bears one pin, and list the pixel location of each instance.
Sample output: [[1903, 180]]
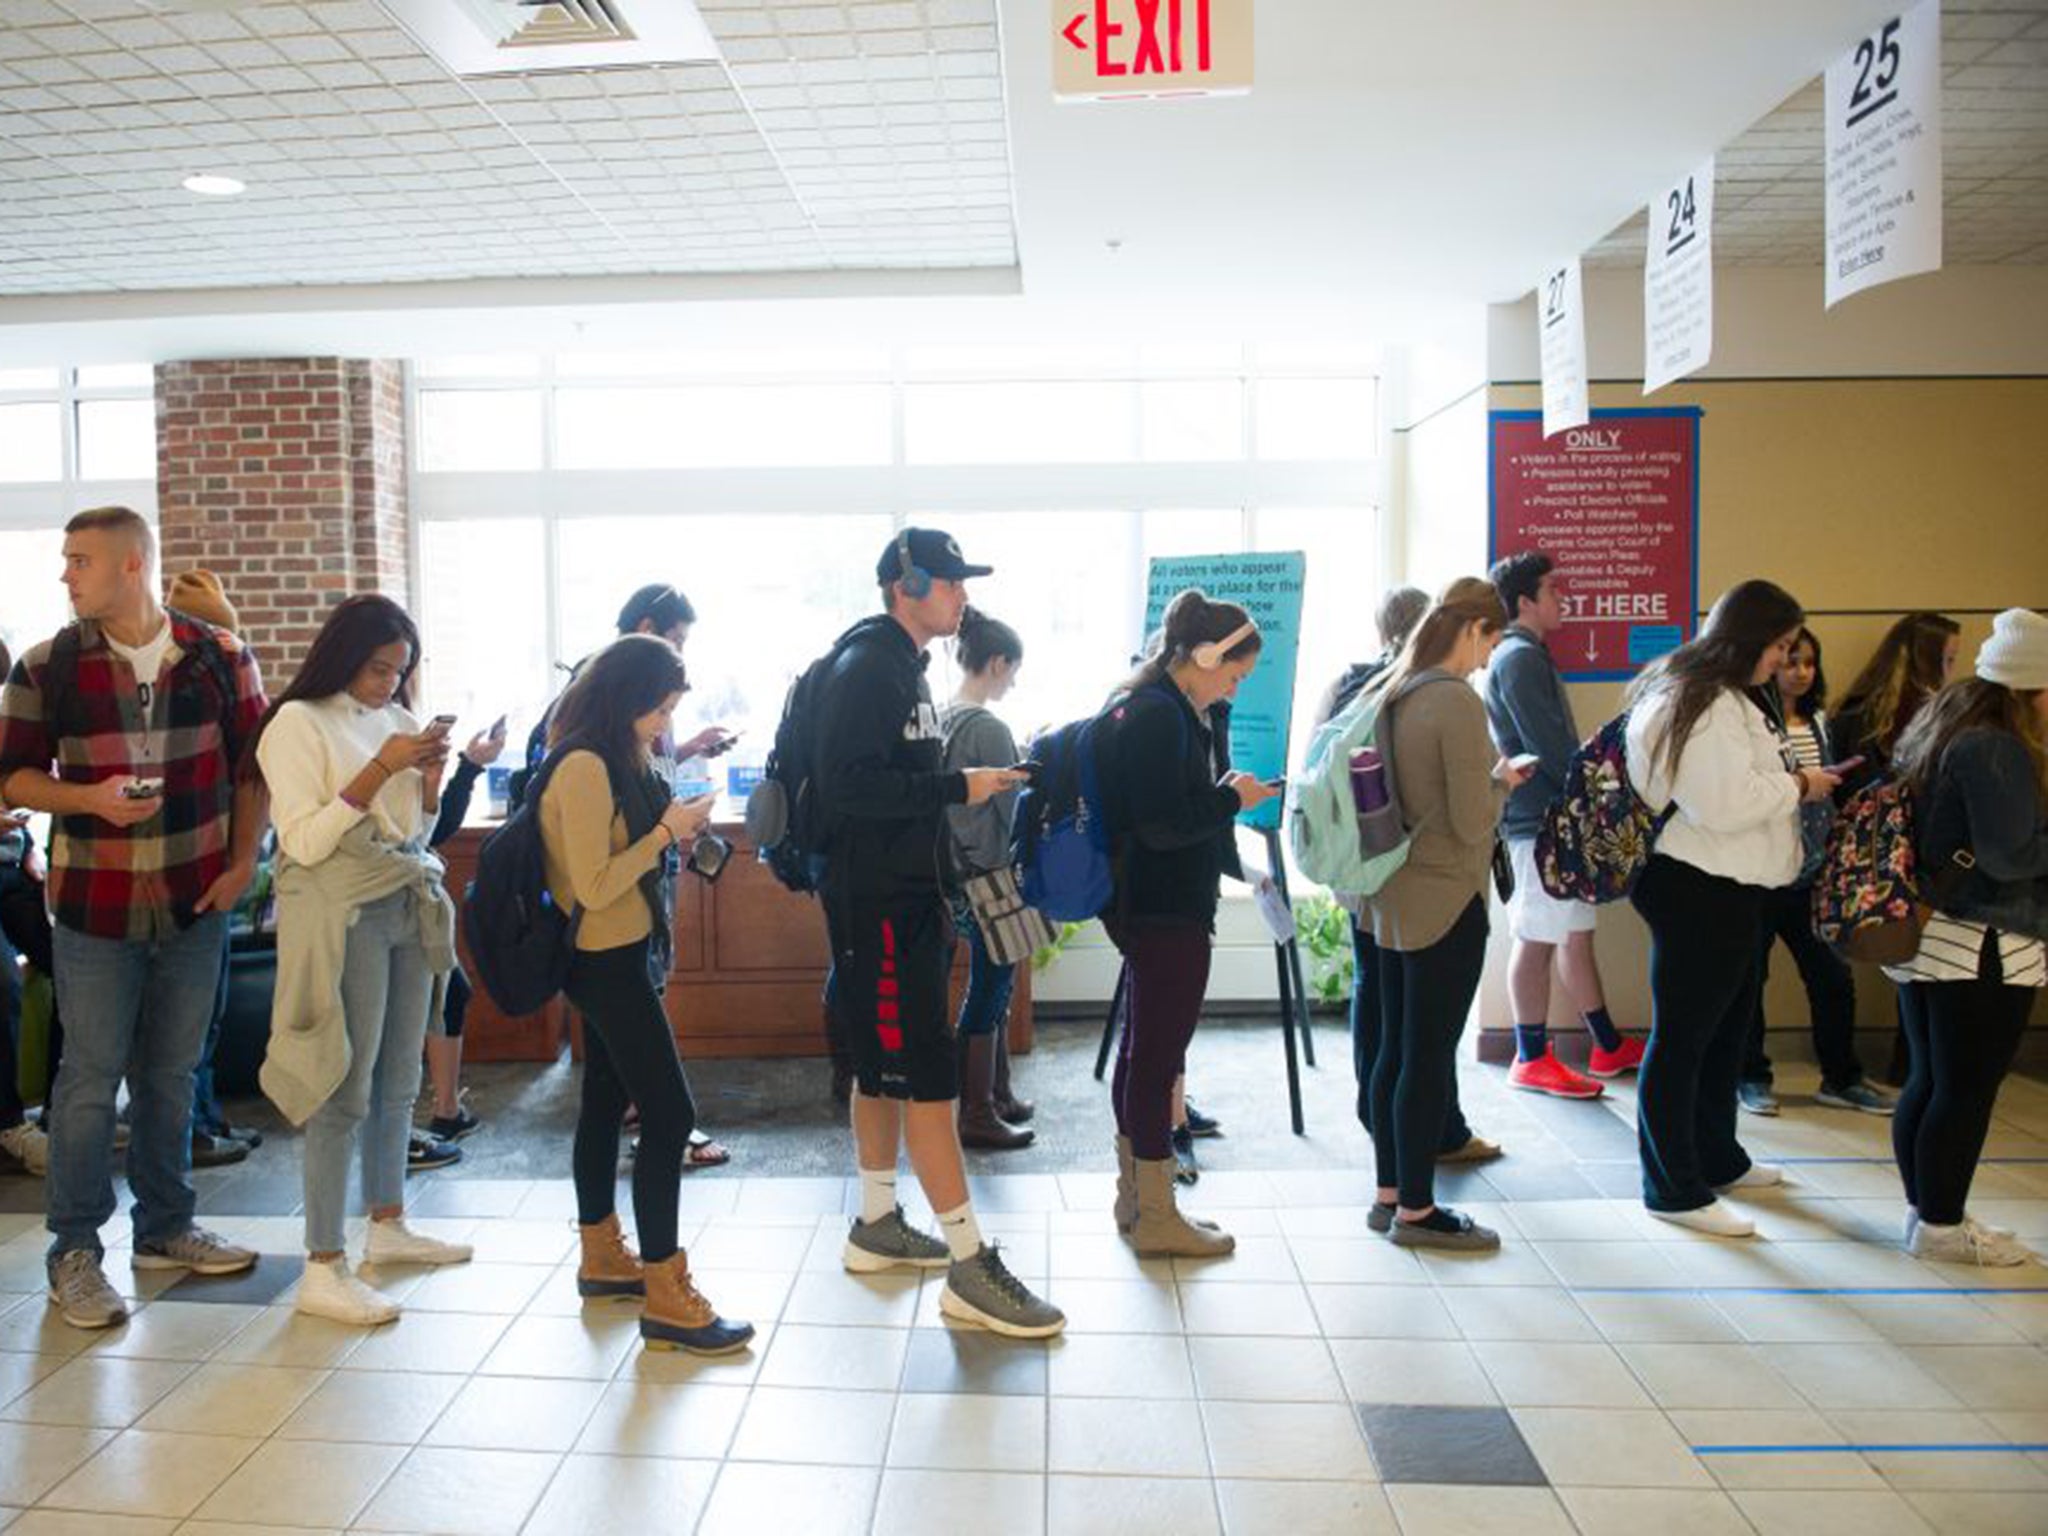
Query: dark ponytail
[[982, 639], [1192, 619]]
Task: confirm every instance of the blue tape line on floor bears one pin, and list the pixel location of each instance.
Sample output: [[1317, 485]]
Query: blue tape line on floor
[[1874, 1448]]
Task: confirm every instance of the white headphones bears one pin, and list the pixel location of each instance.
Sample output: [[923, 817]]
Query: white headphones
[[1210, 656]]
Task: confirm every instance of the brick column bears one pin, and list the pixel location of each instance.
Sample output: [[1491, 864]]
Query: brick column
[[286, 478]]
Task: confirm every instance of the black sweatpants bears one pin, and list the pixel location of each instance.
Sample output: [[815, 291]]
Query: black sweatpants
[[1962, 1037], [629, 1057], [1425, 997], [1365, 1039], [1706, 936], [1830, 991]]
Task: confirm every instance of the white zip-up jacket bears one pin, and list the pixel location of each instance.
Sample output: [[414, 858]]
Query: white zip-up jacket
[[1738, 803]]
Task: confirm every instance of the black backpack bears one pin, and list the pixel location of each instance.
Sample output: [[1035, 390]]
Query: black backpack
[[785, 813], [520, 941]]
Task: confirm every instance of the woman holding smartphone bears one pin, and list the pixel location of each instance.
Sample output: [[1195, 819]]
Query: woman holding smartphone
[[612, 833], [365, 935]]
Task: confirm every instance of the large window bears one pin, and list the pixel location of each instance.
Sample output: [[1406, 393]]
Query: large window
[[765, 482]]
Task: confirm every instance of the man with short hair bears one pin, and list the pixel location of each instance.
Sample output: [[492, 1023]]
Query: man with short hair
[[1526, 704], [884, 790], [142, 716]]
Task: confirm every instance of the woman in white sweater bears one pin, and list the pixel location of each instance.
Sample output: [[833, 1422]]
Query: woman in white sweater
[[354, 782], [1699, 744]]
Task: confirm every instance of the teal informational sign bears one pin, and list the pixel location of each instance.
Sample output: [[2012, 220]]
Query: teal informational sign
[[1268, 587]]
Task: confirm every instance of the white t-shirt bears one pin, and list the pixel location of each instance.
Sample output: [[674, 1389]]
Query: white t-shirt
[[145, 660]]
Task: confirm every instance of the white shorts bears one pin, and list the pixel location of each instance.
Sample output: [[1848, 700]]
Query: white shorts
[[1534, 914]]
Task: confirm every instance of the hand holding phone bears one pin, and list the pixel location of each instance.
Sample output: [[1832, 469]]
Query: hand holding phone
[[440, 725], [1525, 762]]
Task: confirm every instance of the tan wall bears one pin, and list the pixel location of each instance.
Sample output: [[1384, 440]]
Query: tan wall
[[1864, 498]]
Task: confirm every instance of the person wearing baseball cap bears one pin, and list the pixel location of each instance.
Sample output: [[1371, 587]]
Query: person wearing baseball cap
[[1975, 761], [883, 789]]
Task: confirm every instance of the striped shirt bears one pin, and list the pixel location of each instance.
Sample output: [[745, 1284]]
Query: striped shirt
[[1806, 743], [1950, 948], [135, 883]]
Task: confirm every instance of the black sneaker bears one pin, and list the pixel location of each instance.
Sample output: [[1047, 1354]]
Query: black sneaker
[[1200, 1124], [1185, 1169], [216, 1151], [453, 1127], [424, 1151], [247, 1135]]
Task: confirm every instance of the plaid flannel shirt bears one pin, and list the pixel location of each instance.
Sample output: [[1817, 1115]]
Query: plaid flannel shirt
[[131, 883]]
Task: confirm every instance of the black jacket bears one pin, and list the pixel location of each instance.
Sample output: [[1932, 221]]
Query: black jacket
[[1171, 820], [1986, 797], [880, 768]]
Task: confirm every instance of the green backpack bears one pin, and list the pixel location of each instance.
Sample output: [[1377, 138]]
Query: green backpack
[[1344, 818]]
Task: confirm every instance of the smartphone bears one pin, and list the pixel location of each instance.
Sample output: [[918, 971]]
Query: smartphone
[[497, 726], [1522, 762], [143, 789], [1845, 766], [441, 723], [1276, 785], [1031, 767]]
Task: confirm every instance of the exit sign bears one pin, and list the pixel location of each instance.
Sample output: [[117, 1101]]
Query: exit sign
[[1106, 49]]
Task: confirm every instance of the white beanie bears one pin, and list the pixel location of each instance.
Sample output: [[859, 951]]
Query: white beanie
[[2017, 652]]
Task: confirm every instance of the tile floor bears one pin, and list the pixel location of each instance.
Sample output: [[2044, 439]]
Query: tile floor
[[1603, 1373]]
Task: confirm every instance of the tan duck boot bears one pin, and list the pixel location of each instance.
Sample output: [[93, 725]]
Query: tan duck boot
[[610, 1267], [678, 1317], [1160, 1228]]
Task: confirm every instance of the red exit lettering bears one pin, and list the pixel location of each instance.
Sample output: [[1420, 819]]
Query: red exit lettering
[[1156, 32]]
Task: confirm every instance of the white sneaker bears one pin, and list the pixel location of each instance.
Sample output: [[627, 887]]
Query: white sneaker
[[329, 1290], [1713, 1218], [393, 1242], [28, 1146], [1913, 1225], [1967, 1243], [1757, 1176]]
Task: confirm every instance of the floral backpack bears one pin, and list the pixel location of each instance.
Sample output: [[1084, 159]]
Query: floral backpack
[[1597, 835], [1868, 902]]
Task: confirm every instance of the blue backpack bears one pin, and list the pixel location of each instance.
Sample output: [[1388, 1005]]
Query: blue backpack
[[520, 942]]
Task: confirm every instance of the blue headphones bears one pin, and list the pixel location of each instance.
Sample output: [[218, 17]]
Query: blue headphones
[[914, 579]]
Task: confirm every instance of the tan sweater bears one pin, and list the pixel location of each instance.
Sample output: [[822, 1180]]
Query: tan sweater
[[1443, 766], [590, 863]]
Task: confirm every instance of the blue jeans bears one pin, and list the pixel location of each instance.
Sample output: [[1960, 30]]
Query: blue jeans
[[206, 1115], [386, 990], [137, 1008], [986, 1002]]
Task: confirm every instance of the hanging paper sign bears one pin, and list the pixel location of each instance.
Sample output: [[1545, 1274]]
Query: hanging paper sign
[[1884, 155], [1561, 318], [1678, 281]]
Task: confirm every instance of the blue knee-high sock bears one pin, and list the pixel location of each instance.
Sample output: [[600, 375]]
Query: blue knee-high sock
[[1531, 1041], [1605, 1035]]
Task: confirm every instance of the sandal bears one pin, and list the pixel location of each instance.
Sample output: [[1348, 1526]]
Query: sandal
[[705, 1153]]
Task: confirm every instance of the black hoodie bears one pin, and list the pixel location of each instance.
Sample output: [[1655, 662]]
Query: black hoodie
[[880, 767]]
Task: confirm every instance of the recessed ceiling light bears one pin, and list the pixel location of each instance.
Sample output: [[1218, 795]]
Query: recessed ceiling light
[[214, 186]]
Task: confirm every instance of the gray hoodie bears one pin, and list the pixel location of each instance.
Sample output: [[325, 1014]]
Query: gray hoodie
[[976, 738]]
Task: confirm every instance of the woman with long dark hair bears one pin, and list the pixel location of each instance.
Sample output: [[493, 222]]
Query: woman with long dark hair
[[1429, 920], [611, 831], [1172, 807], [1699, 743], [1797, 701], [1975, 761], [989, 652], [365, 935], [1911, 664]]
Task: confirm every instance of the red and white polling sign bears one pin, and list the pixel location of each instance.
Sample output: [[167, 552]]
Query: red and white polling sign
[[1616, 504], [1113, 49]]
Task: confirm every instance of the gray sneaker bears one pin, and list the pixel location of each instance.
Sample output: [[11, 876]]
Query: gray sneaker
[[982, 1290], [1857, 1096], [891, 1243], [79, 1290], [1757, 1098], [196, 1249]]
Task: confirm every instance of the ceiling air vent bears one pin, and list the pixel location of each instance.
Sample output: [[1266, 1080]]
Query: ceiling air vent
[[497, 37]]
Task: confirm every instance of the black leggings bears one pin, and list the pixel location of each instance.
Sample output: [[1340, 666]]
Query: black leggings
[[1706, 937], [1425, 996], [1365, 1039], [629, 1057], [1962, 1036], [1166, 973], [1830, 992]]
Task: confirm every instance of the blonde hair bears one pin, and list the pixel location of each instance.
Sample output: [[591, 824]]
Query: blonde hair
[[1468, 600]]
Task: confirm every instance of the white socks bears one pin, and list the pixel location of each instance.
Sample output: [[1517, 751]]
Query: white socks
[[877, 1193], [962, 1235]]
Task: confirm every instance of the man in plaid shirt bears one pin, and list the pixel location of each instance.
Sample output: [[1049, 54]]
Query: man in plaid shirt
[[142, 715]]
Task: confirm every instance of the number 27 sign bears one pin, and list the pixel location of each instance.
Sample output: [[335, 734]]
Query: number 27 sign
[[1105, 49]]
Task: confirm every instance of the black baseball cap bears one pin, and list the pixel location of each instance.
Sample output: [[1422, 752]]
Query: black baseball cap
[[933, 551]]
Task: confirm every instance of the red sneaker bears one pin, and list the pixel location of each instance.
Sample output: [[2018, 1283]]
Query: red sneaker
[[1625, 1057], [1546, 1074]]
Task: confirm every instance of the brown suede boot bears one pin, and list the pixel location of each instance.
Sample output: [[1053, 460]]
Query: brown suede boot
[[1160, 1229], [980, 1125], [1008, 1105], [678, 1317], [610, 1267]]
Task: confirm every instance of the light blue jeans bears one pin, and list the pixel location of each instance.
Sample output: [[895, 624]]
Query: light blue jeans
[[137, 1008], [386, 989]]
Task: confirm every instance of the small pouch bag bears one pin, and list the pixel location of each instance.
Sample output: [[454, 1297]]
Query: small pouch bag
[[1012, 930]]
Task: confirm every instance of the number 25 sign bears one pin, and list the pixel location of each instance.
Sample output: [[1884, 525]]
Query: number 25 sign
[[1104, 49]]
